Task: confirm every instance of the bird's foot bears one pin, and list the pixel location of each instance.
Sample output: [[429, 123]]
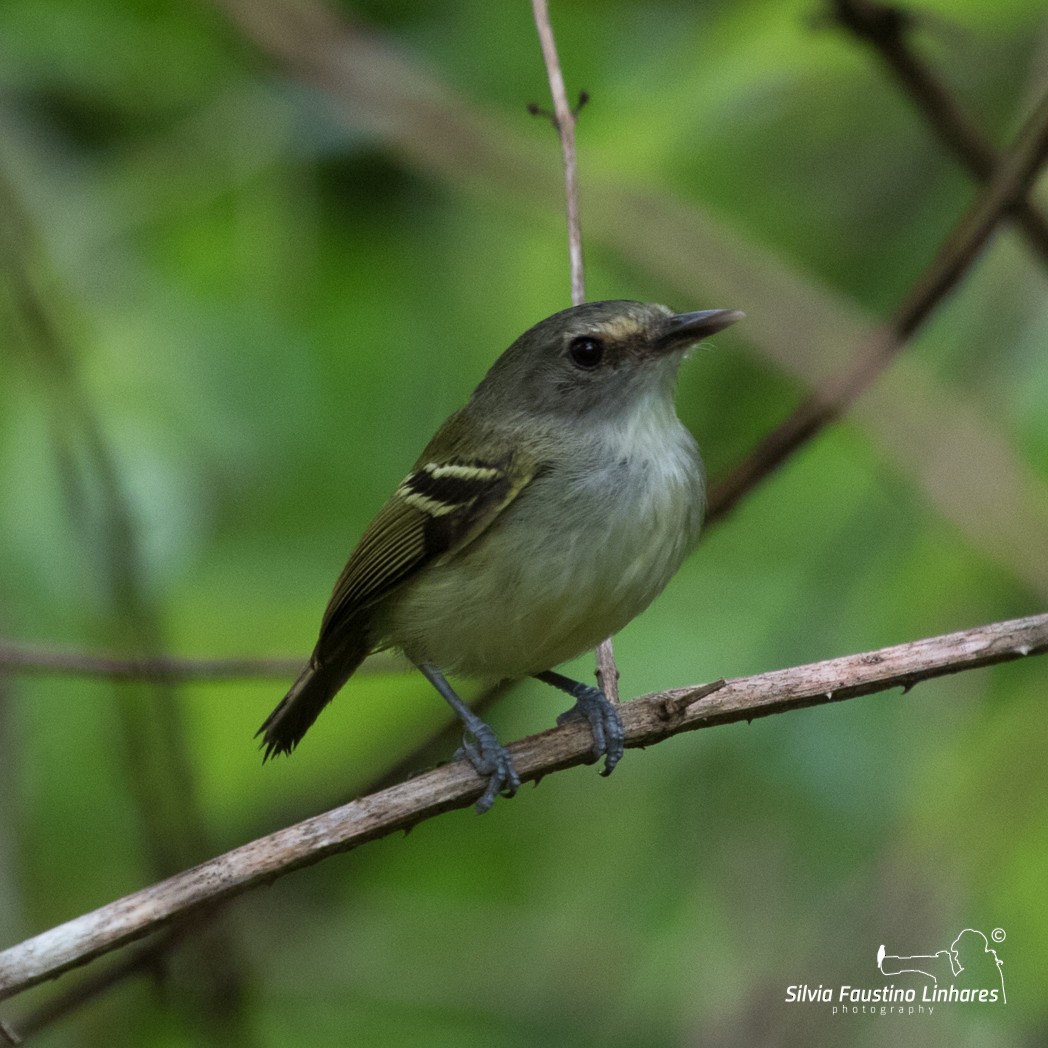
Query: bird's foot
[[490, 759], [480, 745], [609, 737]]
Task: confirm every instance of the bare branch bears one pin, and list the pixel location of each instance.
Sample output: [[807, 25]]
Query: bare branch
[[886, 29], [831, 398], [608, 672], [564, 121], [564, 117], [648, 720], [146, 960], [152, 956]]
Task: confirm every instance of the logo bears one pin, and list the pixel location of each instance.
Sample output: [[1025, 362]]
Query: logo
[[967, 972]]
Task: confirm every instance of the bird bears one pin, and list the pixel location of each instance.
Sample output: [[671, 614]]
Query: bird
[[543, 516]]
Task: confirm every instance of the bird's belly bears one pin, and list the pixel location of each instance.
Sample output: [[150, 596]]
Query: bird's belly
[[528, 595]]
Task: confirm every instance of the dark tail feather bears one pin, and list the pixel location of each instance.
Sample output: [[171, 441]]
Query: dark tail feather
[[316, 686]]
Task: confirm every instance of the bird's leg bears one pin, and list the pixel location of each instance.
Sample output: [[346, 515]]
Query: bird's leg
[[592, 705], [480, 744]]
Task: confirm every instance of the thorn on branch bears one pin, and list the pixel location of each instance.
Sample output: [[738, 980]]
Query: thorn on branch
[[671, 708], [536, 110]]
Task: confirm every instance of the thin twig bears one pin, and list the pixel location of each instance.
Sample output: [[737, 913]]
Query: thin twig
[[564, 118], [564, 121], [829, 400], [885, 28], [647, 720], [608, 672]]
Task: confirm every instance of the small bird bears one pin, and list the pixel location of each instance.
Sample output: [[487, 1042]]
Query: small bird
[[540, 519]]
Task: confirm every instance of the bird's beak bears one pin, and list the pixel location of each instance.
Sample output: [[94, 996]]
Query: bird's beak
[[685, 328]]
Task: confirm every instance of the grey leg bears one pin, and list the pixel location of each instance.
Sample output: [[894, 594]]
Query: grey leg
[[592, 705], [480, 745]]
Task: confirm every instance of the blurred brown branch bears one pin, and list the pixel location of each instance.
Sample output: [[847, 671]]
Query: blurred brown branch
[[15, 658], [648, 720], [1009, 183], [886, 28], [919, 424]]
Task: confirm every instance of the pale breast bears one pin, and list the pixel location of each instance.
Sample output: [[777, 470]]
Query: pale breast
[[581, 552]]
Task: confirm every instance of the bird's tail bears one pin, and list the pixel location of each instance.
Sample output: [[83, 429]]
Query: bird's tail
[[315, 687]]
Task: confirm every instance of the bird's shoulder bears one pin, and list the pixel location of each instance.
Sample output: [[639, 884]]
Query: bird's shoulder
[[457, 488]]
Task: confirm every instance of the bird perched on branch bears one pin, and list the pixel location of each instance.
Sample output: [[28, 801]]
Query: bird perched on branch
[[542, 517]]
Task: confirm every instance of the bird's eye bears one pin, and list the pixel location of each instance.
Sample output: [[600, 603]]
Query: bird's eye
[[586, 352]]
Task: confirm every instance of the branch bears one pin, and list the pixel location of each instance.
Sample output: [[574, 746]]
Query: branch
[[564, 122], [648, 720], [832, 397], [885, 29], [124, 668], [564, 118], [149, 959]]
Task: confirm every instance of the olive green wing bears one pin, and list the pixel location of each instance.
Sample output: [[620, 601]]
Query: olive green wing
[[439, 508]]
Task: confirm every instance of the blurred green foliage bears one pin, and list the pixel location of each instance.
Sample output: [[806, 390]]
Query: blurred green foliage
[[230, 316]]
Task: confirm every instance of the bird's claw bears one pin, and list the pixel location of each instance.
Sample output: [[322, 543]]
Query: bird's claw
[[609, 736], [491, 760]]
